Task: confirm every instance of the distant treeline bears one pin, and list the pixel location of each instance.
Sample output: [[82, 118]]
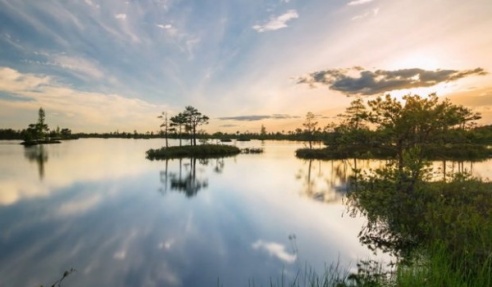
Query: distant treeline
[[11, 134], [477, 135]]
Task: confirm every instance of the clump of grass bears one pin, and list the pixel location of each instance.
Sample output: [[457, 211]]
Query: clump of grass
[[199, 151]]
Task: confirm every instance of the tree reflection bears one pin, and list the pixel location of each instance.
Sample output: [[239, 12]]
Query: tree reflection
[[39, 155], [326, 181], [188, 178]]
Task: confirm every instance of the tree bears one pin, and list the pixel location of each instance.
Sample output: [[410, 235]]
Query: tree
[[41, 127], [38, 130], [396, 196], [165, 124], [416, 122], [177, 123], [193, 119], [310, 128], [353, 129], [263, 132]]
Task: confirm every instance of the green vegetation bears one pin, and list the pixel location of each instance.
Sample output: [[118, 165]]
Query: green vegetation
[[38, 133], [460, 152], [200, 151], [191, 118], [440, 230], [386, 127]]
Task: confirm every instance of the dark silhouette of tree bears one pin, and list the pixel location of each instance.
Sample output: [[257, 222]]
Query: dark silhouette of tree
[[263, 132], [177, 123], [310, 128], [41, 127], [165, 125], [193, 119], [39, 130]]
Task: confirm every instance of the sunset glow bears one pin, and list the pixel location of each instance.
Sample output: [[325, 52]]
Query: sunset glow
[[115, 65]]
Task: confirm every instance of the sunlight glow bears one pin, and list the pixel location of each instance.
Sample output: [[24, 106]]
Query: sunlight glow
[[440, 90], [417, 60]]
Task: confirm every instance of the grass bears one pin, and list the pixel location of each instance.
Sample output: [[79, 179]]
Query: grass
[[468, 152], [436, 268], [199, 151]]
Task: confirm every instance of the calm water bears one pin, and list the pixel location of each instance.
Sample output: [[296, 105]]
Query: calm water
[[121, 220]]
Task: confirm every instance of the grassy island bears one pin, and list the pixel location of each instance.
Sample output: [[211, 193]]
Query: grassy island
[[36, 142], [468, 152], [199, 151]]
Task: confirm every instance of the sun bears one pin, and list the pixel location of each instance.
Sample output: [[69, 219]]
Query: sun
[[416, 60], [424, 61]]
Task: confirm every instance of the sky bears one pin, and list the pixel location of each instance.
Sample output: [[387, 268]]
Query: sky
[[114, 65]]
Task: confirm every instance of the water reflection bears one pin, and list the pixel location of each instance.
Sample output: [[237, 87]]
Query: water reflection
[[97, 210], [187, 178], [39, 155], [325, 181], [446, 169]]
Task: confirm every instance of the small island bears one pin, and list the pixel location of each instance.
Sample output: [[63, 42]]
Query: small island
[[190, 119], [39, 133], [199, 151]]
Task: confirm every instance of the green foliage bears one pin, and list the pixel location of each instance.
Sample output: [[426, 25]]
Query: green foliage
[[419, 220], [388, 127], [200, 151]]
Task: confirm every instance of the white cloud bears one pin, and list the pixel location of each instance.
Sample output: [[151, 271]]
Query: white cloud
[[358, 2], [90, 3], [276, 250], [120, 16], [78, 64], [170, 29], [79, 205], [278, 22], [372, 13], [108, 111]]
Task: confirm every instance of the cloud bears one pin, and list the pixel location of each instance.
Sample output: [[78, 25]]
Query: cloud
[[120, 16], [170, 29], [358, 2], [374, 12], [13, 97], [276, 250], [278, 22], [78, 108], [79, 205], [357, 81], [260, 117]]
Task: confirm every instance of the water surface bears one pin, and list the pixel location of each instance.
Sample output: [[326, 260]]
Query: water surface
[[97, 205]]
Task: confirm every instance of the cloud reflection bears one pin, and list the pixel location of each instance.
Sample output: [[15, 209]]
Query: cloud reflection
[[276, 250]]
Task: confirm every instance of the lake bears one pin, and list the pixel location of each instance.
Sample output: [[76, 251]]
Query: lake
[[99, 206]]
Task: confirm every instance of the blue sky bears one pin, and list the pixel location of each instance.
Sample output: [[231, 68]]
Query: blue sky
[[115, 65]]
